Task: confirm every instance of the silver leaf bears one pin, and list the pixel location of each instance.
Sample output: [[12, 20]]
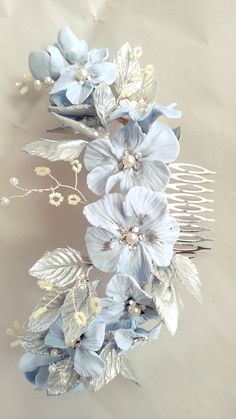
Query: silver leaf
[[148, 88], [125, 64], [77, 299], [165, 299], [113, 361], [52, 301], [60, 267], [127, 371], [78, 127], [104, 101], [34, 342], [63, 379], [56, 150], [186, 272], [75, 110]]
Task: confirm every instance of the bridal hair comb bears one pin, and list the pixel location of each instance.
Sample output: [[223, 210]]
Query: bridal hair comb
[[150, 218]]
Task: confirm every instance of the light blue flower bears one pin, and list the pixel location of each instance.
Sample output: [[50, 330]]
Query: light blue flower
[[127, 339], [87, 69], [126, 305], [131, 158], [87, 362], [131, 232], [145, 114]]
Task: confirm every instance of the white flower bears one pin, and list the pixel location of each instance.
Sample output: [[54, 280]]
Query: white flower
[[73, 199], [76, 166], [56, 198], [42, 171]]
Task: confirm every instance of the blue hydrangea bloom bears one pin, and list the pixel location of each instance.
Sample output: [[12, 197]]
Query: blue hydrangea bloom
[[131, 158], [127, 339], [127, 305], [131, 232]]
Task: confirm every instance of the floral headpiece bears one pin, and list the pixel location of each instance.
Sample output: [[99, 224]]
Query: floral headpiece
[[146, 226]]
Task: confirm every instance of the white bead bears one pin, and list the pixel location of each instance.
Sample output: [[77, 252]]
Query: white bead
[[54, 352], [14, 181], [128, 160], [4, 201], [37, 85], [48, 80], [132, 238], [52, 368]]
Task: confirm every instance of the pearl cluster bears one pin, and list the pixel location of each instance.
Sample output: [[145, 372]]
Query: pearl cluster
[[131, 237], [82, 75], [23, 86], [135, 309], [130, 160]]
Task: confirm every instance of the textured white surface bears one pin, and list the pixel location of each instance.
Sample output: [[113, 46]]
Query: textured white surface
[[192, 45]]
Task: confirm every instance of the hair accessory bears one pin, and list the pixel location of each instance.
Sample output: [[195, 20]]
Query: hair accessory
[[149, 220]]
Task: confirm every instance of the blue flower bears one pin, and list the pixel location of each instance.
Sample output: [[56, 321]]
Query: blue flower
[[87, 69], [131, 232], [127, 339], [131, 158], [87, 362], [126, 305]]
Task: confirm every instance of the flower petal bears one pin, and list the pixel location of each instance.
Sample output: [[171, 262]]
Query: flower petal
[[136, 263], [74, 50], [42, 378], [160, 144], [127, 180], [161, 251], [30, 361], [77, 94], [157, 110], [154, 175], [130, 137], [103, 72], [107, 213], [65, 80], [96, 56], [122, 287], [147, 206], [57, 62], [39, 64], [103, 257], [87, 364], [55, 335], [94, 336], [99, 153], [98, 177]]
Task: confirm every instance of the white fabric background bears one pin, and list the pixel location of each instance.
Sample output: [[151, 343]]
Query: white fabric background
[[192, 45]]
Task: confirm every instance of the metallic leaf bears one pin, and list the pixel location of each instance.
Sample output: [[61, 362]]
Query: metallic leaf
[[53, 302], [104, 101], [77, 300], [60, 267], [63, 379], [113, 361], [56, 150], [34, 342], [78, 127], [166, 302], [127, 371], [75, 110], [126, 65]]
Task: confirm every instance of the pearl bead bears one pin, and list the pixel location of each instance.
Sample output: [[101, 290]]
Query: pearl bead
[[37, 85], [14, 181], [128, 160], [52, 368], [4, 201], [132, 238], [48, 80], [82, 74], [54, 352]]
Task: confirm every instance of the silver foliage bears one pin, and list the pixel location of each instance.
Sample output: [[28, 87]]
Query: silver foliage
[[113, 361], [75, 110], [78, 127], [63, 379], [60, 267], [34, 342], [53, 302], [56, 150], [76, 300], [127, 371], [126, 65], [104, 101]]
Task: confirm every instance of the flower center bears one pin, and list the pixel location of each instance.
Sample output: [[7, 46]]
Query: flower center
[[135, 309], [131, 237], [130, 160], [82, 75]]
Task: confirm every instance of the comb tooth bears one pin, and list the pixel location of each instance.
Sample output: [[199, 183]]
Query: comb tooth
[[192, 228], [193, 239], [191, 168], [191, 178], [187, 198], [189, 208]]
